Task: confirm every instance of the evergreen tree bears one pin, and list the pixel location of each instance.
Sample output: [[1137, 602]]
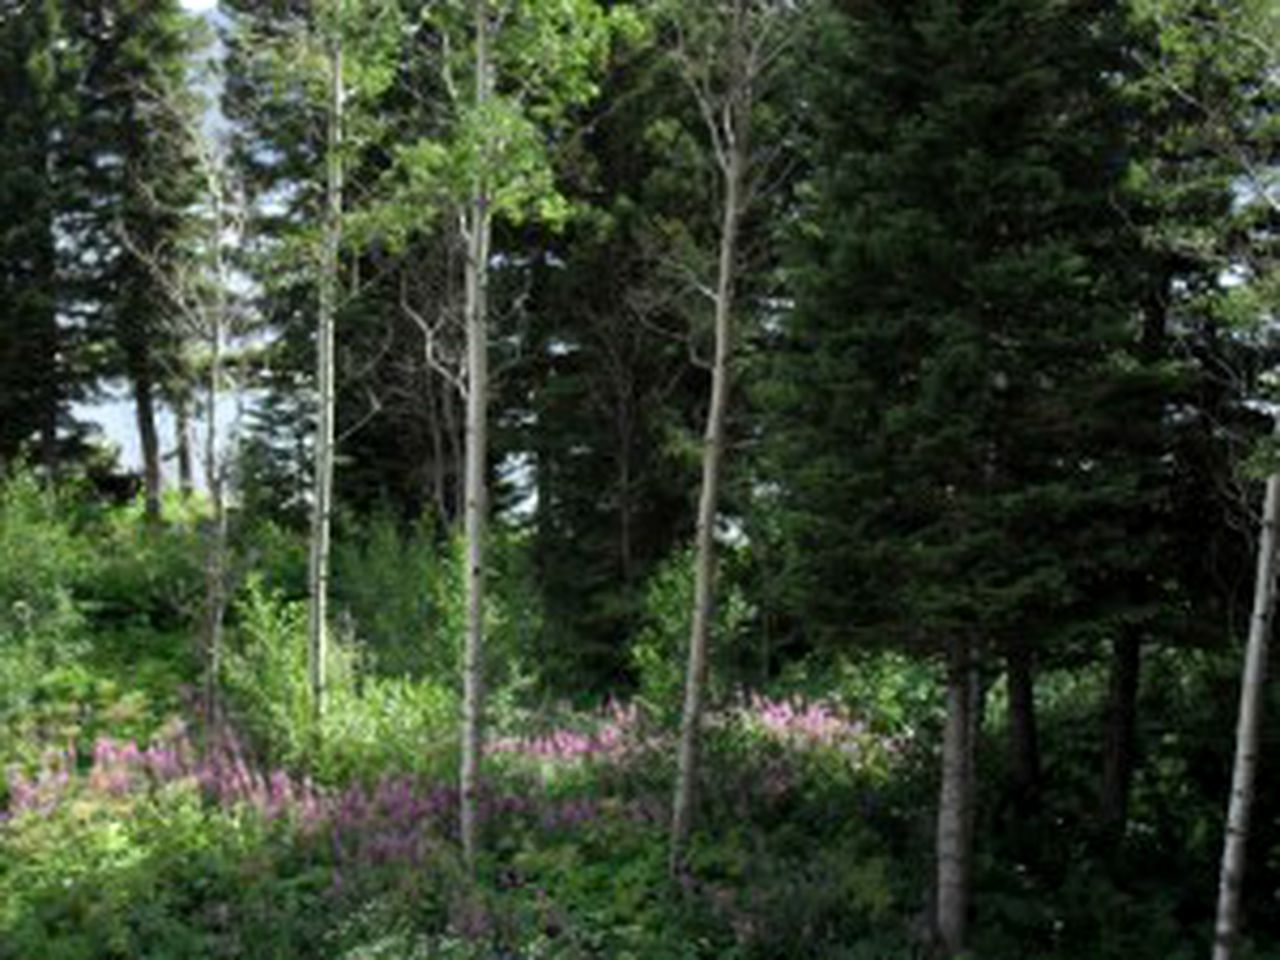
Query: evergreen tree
[[608, 398], [276, 130], [951, 402], [131, 189], [35, 114], [1181, 202]]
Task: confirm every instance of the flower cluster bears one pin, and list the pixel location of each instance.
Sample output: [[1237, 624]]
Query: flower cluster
[[802, 724], [398, 823], [115, 768], [119, 768], [43, 791], [615, 735], [393, 824], [403, 822], [229, 779]]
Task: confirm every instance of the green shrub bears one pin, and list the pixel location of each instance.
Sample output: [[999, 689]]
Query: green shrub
[[158, 875], [391, 584], [404, 594], [660, 649], [891, 692], [146, 575], [265, 668], [42, 565], [77, 701], [372, 724], [277, 554]]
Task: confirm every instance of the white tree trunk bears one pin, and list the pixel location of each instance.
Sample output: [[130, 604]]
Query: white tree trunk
[[476, 313], [955, 802], [322, 492], [216, 559], [704, 557], [1252, 688]]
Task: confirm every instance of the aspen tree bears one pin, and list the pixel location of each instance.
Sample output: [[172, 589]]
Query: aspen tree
[[529, 65], [725, 52]]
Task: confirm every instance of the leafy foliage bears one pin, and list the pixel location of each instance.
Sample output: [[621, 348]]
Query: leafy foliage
[[1005, 381]]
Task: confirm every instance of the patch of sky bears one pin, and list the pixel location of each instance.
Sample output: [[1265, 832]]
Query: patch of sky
[[114, 415]]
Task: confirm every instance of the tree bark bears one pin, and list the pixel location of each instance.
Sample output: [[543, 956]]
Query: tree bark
[[955, 803], [1227, 923], [1024, 741], [708, 501], [216, 559], [182, 443], [1120, 738], [476, 312], [322, 504], [148, 437]]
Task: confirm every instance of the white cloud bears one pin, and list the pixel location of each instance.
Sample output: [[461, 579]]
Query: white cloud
[[199, 6]]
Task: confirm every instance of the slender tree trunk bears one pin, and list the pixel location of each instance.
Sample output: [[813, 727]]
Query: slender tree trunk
[[477, 269], [215, 459], [50, 338], [182, 441], [322, 505], [216, 559], [1024, 743], [1120, 738], [437, 479], [704, 556], [955, 803], [148, 437], [476, 510], [458, 460], [1226, 926]]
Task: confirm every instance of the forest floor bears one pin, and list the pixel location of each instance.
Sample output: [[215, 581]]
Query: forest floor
[[129, 828], [131, 831]]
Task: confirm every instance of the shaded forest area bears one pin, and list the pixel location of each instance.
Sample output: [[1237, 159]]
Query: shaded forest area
[[737, 479]]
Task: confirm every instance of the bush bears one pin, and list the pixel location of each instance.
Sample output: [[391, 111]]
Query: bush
[[661, 647], [77, 701], [275, 553], [80, 588], [404, 595], [395, 586], [42, 564], [114, 872], [146, 575], [892, 693], [371, 724]]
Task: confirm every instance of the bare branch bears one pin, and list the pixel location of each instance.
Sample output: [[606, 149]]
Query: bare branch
[[375, 408], [432, 352]]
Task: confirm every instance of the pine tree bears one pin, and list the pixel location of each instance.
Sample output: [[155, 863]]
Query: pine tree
[[949, 401], [277, 145], [607, 390], [35, 113], [130, 189]]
